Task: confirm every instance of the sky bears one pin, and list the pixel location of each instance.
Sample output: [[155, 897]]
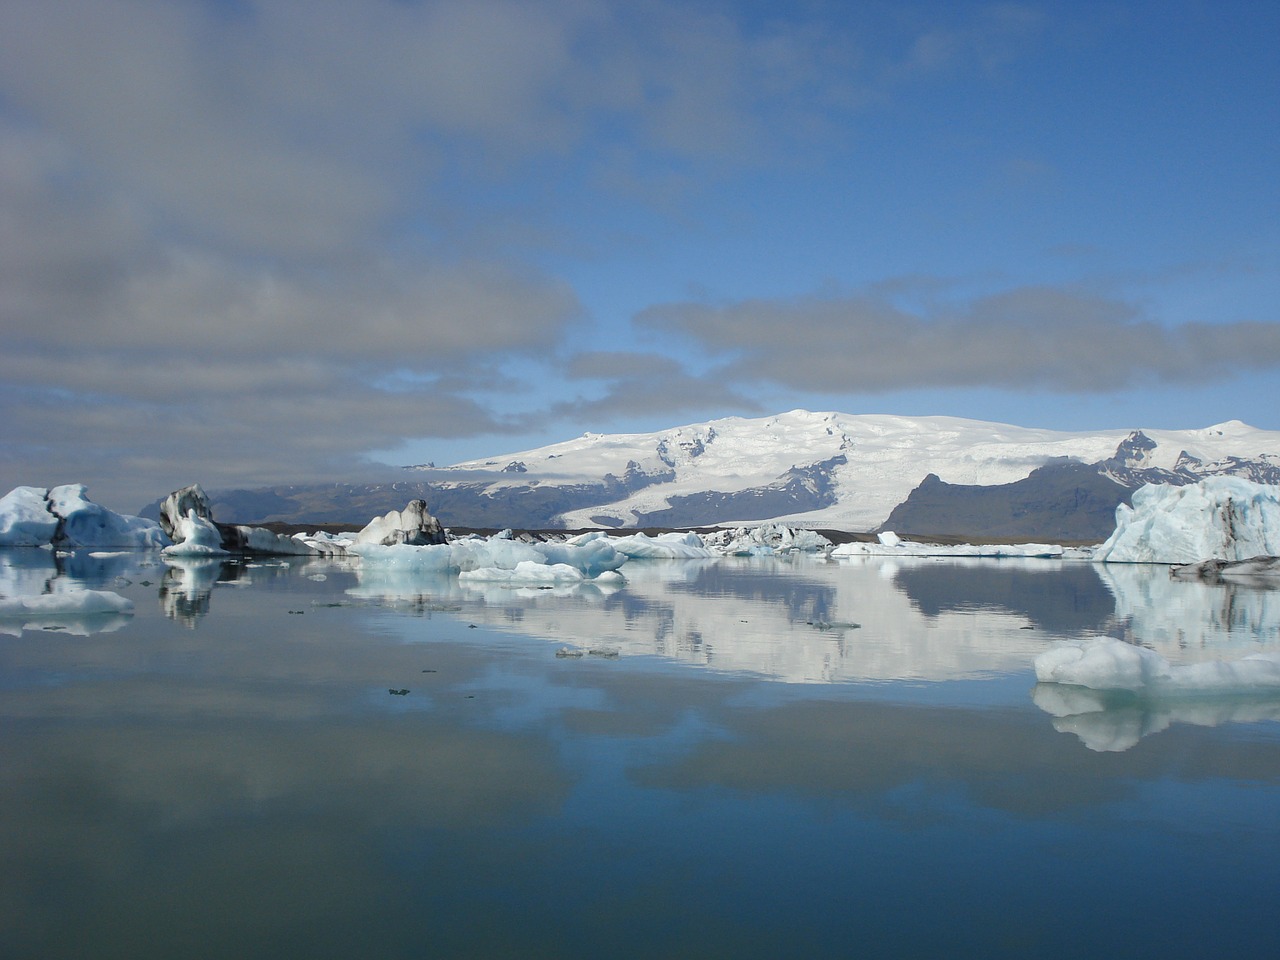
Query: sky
[[246, 243]]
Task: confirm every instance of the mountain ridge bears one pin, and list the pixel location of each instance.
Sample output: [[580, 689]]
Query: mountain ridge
[[825, 469]]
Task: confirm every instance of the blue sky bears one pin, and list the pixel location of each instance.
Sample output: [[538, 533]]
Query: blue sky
[[249, 243]]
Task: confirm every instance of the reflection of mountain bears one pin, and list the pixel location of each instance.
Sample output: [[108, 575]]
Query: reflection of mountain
[[799, 620], [803, 620], [1060, 598]]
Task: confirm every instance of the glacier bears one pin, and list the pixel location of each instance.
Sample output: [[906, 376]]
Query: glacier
[[858, 467]]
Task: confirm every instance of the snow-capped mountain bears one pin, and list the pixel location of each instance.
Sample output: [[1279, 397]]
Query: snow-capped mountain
[[927, 475], [842, 471]]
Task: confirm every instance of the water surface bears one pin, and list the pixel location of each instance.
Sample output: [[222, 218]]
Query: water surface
[[719, 759]]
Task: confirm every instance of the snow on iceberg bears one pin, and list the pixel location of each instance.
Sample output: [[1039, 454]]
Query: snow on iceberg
[[1219, 518], [64, 516], [1104, 663]]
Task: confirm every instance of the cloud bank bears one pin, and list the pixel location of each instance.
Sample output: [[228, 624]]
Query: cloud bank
[[1027, 338], [253, 242]]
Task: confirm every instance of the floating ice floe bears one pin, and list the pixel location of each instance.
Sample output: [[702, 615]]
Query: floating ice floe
[[1219, 518], [767, 539], [1256, 571], [1104, 663], [78, 612], [497, 558], [889, 544], [526, 572], [65, 517], [74, 602], [664, 546]]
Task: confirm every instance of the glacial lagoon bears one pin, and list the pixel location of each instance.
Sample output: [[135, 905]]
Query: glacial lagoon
[[733, 758]]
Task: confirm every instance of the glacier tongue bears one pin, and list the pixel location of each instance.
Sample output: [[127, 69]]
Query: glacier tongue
[[1219, 518]]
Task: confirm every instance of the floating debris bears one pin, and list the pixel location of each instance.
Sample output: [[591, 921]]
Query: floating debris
[[568, 652], [398, 693]]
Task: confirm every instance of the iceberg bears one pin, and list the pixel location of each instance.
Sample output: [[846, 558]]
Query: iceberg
[[765, 540], [665, 546], [185, 515], [413, 525], [1219, 518], [497, 557], [74, 611], [65, 517], [195, 536], [526, 572], [80, 603], [889, 544], [1104, 663]]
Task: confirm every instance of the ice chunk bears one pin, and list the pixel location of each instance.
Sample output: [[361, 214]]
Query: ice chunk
[[65, 517], [665, 546], [765, 540], [74, 611], [195, 536], [1219, 518], [526, 572], [891, 545], [413, 525], [25, 518], [1104, 663]]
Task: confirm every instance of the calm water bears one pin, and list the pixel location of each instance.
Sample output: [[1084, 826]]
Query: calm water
[[728, 759]]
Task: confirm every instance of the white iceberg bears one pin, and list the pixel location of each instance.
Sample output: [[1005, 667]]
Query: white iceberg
[[194, 536], [665, 546], [73, 611], [1104, 663], [889, 544], [765, 540], [589, 556], [64, 516], [75, 602], [1219, 518], [526, 572]]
